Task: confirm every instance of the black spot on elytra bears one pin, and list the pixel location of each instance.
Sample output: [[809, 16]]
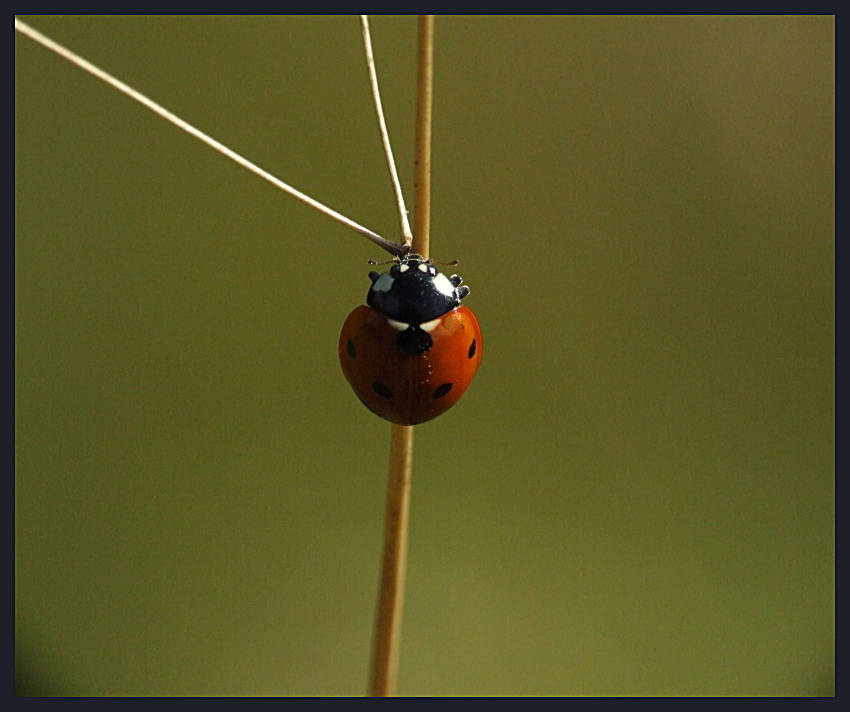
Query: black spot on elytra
[[472, 349], [413, 341], [382, 390], [350, 348], [442, 390]]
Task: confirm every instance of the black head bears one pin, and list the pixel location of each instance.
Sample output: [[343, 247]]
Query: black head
[[413, 292]]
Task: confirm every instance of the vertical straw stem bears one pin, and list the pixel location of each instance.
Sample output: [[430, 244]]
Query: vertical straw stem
[[394, 565], [385, 652], [422, 161]]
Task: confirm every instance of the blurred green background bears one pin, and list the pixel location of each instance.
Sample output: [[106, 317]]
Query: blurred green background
[[635, 496]]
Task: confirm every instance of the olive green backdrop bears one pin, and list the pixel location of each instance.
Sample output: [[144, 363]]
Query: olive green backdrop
[[634, 497]]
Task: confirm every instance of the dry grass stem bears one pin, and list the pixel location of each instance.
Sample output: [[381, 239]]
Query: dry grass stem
[[391, 247], [407, 238], [422, 161], [385, 652]]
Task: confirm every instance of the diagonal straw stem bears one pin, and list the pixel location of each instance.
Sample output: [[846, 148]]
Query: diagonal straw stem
[[24, 29], [407, 237]]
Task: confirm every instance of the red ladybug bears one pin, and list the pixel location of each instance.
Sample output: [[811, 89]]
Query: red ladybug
[[411, 354]]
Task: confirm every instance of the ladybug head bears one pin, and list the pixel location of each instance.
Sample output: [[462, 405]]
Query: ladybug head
[[414, 292]]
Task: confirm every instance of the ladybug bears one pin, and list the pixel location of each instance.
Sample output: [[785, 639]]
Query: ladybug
[[411, 354]]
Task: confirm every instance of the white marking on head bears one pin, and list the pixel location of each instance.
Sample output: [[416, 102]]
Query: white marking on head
[[384, 283], [398, 325], [423, 267], [403, 268], [444, 285], [429, 326]]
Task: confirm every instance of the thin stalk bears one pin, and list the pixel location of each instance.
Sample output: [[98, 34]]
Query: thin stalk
[[385, 653], [24, 29], [394, 565], [407, 237], [422, 163], [422, 160]]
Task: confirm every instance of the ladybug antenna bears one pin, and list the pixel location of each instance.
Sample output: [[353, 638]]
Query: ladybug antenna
[[406, 256]]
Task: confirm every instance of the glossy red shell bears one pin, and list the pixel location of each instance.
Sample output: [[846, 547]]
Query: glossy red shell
[[405, 389]]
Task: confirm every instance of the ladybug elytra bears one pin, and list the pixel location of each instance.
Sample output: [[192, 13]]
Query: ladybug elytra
[[413, 351]]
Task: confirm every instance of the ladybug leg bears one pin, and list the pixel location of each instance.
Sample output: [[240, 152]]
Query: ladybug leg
[[456, 282]]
